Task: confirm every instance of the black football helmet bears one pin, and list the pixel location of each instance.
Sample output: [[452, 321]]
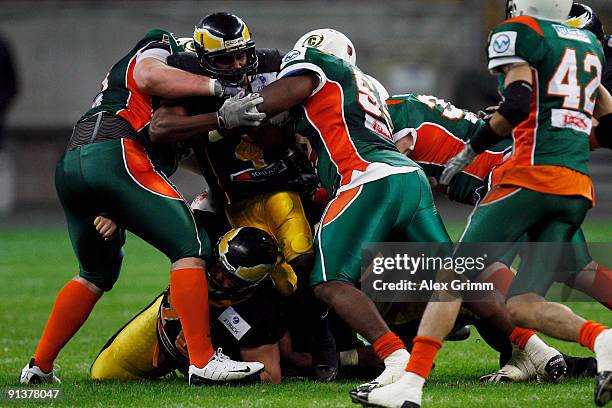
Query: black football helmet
[[245, 256], [217, 39], [583, 16]]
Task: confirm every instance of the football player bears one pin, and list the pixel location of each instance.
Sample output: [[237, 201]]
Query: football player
[[431, 131], [246, 314], [261, 184], [109, 167], [551, 85], [348, 132]]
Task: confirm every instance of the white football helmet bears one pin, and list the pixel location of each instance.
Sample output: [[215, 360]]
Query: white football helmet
[[330, 42], [382, 92], [555, 10]]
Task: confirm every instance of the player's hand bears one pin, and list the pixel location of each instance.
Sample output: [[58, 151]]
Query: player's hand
[[223, 89], [457, 164], [487, 112], [105, 227], [240, 111]]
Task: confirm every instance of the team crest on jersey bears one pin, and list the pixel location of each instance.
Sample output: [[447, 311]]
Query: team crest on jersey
[[570, 33], [503, 44]]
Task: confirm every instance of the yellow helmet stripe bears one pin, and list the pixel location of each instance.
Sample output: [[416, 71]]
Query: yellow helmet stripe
[[224, 243], [208, 40], [246, 34], [254, 273]]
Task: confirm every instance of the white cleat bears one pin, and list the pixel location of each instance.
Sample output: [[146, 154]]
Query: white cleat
[[548, 361], [395, 366], [221, 368], [518, 368], [407, 392], [32, 374]]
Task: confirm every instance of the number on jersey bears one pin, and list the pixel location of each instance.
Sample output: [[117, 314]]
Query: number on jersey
[[564, 82], [377, 118]]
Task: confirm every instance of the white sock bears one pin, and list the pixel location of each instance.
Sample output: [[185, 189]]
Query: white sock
[[603, 350], [535, 347], [398, 357]]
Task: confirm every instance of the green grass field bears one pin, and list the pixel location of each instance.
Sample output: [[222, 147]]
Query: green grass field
[[36, 263]]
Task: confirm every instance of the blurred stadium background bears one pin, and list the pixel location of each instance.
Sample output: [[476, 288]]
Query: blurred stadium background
[[63, 49]]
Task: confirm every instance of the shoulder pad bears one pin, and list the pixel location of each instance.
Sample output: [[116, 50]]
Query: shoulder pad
[[269, 60], [187, 61]]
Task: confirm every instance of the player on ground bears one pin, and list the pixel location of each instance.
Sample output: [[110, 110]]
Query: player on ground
[[247, 318], [551, 76], [107, 169]]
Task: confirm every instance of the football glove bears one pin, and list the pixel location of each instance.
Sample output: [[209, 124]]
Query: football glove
[[457, 164], [222, 89], [240, 111]]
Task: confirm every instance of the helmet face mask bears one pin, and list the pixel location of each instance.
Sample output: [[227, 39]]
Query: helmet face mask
[[510, 9], [224, 48]]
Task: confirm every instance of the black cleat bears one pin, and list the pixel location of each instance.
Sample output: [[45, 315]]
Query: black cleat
[[326, 373], [462, 333], [580, 366], [555, 368], [603, 388], [359, 396]]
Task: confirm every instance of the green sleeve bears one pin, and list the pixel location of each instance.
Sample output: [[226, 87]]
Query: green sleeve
[[513, 42]]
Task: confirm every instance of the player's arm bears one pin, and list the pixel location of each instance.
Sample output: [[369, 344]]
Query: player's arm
[[157, 74], [514, 109], [603, 114], [287, 92], [171, 124], [156, 78]]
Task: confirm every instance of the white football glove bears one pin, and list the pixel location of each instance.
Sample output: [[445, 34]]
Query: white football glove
[[457, 164], [240, 111]]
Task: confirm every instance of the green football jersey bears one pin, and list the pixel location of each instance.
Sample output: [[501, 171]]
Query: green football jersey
[[410, 111], [344, 122], [567, 65], [439, 132], [119, 94]]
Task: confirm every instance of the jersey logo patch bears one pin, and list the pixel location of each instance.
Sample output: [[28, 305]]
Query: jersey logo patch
[[291, 55], [234, 323], [564, 118], [572, 33], [503, 44]]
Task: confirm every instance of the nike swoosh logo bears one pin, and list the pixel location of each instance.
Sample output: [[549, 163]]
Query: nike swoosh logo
[[244, 370]]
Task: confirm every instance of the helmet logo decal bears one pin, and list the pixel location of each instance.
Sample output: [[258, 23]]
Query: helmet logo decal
[[313, 41], [579, 21]]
